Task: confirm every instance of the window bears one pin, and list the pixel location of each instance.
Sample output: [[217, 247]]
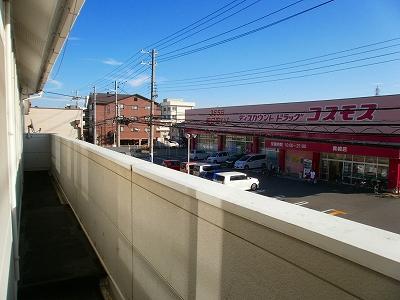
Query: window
[[108, 108], [135, 99], [134, 107], [121, 128], [219, 178], [121, 106], [238, 177], [147, 107]]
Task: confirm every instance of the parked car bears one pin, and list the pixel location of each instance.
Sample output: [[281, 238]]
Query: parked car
[[173, 144], [125, 152], [201, 168], [198, 154], [167, 144], [237, 180], [218, 157], [251, 161], [172, 164], [183, 167], [230, 162]]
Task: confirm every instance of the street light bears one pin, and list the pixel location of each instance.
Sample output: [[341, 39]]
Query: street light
[[188, 136]]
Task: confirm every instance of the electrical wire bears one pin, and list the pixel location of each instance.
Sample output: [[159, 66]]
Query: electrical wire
[[153, 45], [65, 47], [231, 30], [285, 78], [291, 72], [207, 27], [167, 58], [249, 71], [132, 58]]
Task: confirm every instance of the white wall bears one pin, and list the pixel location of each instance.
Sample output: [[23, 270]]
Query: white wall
[[11, 126], [162, 234], [37, 152], [55, 120]]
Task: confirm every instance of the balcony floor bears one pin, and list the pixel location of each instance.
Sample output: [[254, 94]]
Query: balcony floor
[[57, 261]]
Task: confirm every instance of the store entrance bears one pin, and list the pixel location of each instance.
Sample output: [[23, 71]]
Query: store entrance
[[335, 170]]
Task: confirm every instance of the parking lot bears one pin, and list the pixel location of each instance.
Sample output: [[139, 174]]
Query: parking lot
[[377, 210]]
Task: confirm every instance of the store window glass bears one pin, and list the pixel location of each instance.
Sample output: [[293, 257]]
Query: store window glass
[[383, 161], [358, 158], [382, 172], [336, 156], [347, 167], [358, 170], [324, 170], [371, 159], [370, 170]]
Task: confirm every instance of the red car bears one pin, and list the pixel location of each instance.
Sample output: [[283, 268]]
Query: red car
[[172, 164]]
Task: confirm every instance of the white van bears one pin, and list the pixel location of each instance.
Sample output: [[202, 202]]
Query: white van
[[251, 161], [218, 157]]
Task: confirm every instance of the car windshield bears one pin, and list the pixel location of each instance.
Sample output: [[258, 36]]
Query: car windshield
[[210, 168], [244, 158], [213, 154], [219, 178]]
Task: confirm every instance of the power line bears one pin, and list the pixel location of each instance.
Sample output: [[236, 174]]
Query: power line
[[242, 34], [292, 72], [156, 44], [66, 44], [209, 26], [286, 78], [120, 68], [225, 75], [231, 30]]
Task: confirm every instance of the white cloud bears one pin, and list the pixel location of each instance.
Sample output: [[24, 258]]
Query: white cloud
[[112, 62], [55, 83], [138, 81]]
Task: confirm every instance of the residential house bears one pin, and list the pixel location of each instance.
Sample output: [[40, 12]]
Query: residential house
[[134, 109]]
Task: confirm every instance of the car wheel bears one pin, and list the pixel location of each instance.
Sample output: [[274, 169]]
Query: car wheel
[[264, 166], [246, 167], [254, 186]]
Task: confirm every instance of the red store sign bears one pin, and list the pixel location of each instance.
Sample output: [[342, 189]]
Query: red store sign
[[333, 148]]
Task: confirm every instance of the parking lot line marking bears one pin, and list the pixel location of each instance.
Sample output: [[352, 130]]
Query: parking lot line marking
[[334, 212], [337, 212], [301, 203]]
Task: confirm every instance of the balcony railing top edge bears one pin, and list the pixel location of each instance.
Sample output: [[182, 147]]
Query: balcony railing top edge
[[369, 246]]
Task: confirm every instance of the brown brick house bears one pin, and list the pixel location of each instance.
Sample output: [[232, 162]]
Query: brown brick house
[[135, 107]]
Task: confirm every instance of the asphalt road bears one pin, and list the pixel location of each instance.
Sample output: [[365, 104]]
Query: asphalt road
[[377, 210]]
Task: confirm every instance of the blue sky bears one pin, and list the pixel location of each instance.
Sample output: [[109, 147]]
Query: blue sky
[[107, 33]]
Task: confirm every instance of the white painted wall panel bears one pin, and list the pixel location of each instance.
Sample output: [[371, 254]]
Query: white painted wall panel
[[163, 234]]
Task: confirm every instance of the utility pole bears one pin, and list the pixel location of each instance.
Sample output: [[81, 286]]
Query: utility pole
[[94, 116], [76, 98], [153, 97], [116, 135]]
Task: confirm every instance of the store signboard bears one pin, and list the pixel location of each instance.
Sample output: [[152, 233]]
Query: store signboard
[[328, 116], [333, 148]]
